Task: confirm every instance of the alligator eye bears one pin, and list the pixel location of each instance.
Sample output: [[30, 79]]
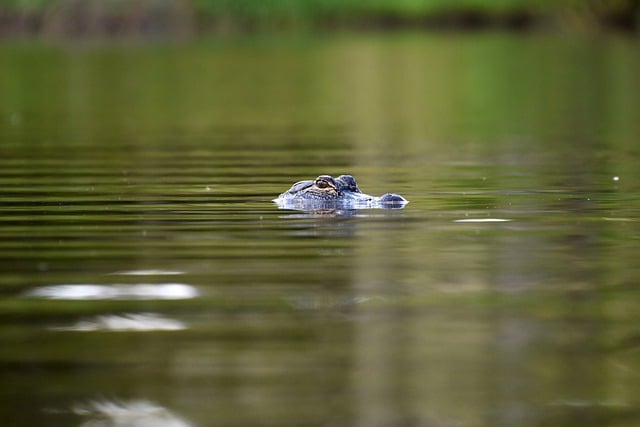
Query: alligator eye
[[321, 183]]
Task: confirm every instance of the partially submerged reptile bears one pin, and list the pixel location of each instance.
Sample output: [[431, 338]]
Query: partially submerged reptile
[[326, 192]]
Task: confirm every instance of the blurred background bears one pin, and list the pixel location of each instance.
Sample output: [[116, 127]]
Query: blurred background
[[171, 19]]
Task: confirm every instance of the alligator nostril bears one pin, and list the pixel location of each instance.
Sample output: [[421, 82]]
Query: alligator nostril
[[392, 199]]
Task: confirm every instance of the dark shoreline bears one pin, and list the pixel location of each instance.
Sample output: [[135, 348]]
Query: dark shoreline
[[182, 22]]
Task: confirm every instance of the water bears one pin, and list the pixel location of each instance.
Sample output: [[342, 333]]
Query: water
[[147, 278]]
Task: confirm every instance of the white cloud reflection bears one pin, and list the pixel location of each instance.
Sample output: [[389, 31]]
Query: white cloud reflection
[[132, 413], [125, 322], [141, 291]]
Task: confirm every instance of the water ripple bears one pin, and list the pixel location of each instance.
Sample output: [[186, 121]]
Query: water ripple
[[150, 272], [143, 322]]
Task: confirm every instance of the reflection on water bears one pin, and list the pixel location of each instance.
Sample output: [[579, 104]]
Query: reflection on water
[[147, 273], [116, 291], [142, 257], [482, 220], [125, 322], [332, 213], [134, 413]]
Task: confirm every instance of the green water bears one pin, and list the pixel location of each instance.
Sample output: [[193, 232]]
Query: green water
[[146, 277]]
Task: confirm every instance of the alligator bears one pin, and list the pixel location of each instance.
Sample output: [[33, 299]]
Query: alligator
[[326, 192]]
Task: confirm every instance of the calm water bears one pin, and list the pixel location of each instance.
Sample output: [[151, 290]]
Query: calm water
[[146, 277]]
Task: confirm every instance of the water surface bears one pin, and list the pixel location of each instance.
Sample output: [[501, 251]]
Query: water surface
[[148, 278]]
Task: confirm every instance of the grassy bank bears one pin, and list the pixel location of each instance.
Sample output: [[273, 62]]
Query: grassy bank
[[180, 18]]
